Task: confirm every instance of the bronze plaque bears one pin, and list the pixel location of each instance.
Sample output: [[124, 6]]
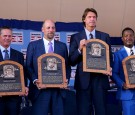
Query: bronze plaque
[[129, 70], [96, 56], [52, 71], [11, 78]]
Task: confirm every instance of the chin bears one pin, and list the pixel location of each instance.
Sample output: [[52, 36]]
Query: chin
[[6, 46], [92, 26], [130, 45]]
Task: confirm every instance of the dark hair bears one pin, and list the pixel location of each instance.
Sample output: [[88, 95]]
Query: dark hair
[[127, 29], [5, 27], [86, 12]]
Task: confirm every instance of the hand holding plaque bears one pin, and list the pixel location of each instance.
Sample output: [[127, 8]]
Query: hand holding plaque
[[129, 71], [51, 71], [96, 56]]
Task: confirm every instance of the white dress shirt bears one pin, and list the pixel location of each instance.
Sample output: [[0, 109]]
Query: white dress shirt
[[128, 50], [88, 33]]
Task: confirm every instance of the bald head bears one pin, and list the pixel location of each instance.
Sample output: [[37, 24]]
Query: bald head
[[47, 21], [48, 29]]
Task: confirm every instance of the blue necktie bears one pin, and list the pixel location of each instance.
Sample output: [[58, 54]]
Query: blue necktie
[[6, 56], [50, 50]]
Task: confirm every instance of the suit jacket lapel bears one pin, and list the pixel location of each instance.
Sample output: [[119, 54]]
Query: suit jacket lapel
[[83, 35], [1, 57], [11, 54], [56, 46], [97, 34], [123, 53], [42, 47]]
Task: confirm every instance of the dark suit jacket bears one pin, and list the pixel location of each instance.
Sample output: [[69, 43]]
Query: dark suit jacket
[[15, 56], [119, 78], [82, 79], [36, 49]]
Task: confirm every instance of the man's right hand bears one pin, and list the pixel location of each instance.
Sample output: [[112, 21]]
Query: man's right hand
[[37, 82], [125, 86], [82, 44]]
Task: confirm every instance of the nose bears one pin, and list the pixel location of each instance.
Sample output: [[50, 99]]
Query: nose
[[129, 38]]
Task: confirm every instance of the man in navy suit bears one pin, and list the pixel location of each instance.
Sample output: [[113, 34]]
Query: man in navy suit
[[124, 93], [91, 88], [43, 99], [9, 105]]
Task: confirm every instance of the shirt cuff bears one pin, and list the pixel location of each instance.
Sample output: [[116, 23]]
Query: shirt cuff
[[34, 82], [79, 51]]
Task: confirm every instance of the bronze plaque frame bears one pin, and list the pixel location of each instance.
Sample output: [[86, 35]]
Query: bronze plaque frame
[[59, 71], [129, 71], [11, 78], [89, 58]]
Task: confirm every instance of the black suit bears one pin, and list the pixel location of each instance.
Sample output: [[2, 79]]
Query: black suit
[[89, 86], [11, 104]]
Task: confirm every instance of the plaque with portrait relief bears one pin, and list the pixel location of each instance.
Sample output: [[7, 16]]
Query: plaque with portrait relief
[[96, 56], [11, 78], [129, 70], [52, 71]]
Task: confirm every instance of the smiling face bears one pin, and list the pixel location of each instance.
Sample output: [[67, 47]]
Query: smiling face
[[5, 37], [48, 29], [128, 38]]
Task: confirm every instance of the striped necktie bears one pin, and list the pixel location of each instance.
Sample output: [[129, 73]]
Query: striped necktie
[[6, 56]]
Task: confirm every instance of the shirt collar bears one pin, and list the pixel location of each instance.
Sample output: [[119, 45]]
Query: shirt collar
[[46, 41], [2, 48], [128, 49], [88, 33]]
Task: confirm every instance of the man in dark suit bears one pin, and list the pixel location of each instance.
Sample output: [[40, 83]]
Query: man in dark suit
[[43, 99], [91, 88], [124, 93], [9, 105]]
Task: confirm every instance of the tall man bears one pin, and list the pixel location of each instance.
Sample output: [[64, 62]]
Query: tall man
[[45, 98], [124, 94], [90, 87], [9, 105]]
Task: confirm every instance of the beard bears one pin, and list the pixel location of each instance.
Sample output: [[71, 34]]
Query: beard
[[50, 35], [130, 44]]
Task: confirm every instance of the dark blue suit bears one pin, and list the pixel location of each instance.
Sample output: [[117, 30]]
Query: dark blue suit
[[119, 78], [36, 49], [88, 85], [11, 104]]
